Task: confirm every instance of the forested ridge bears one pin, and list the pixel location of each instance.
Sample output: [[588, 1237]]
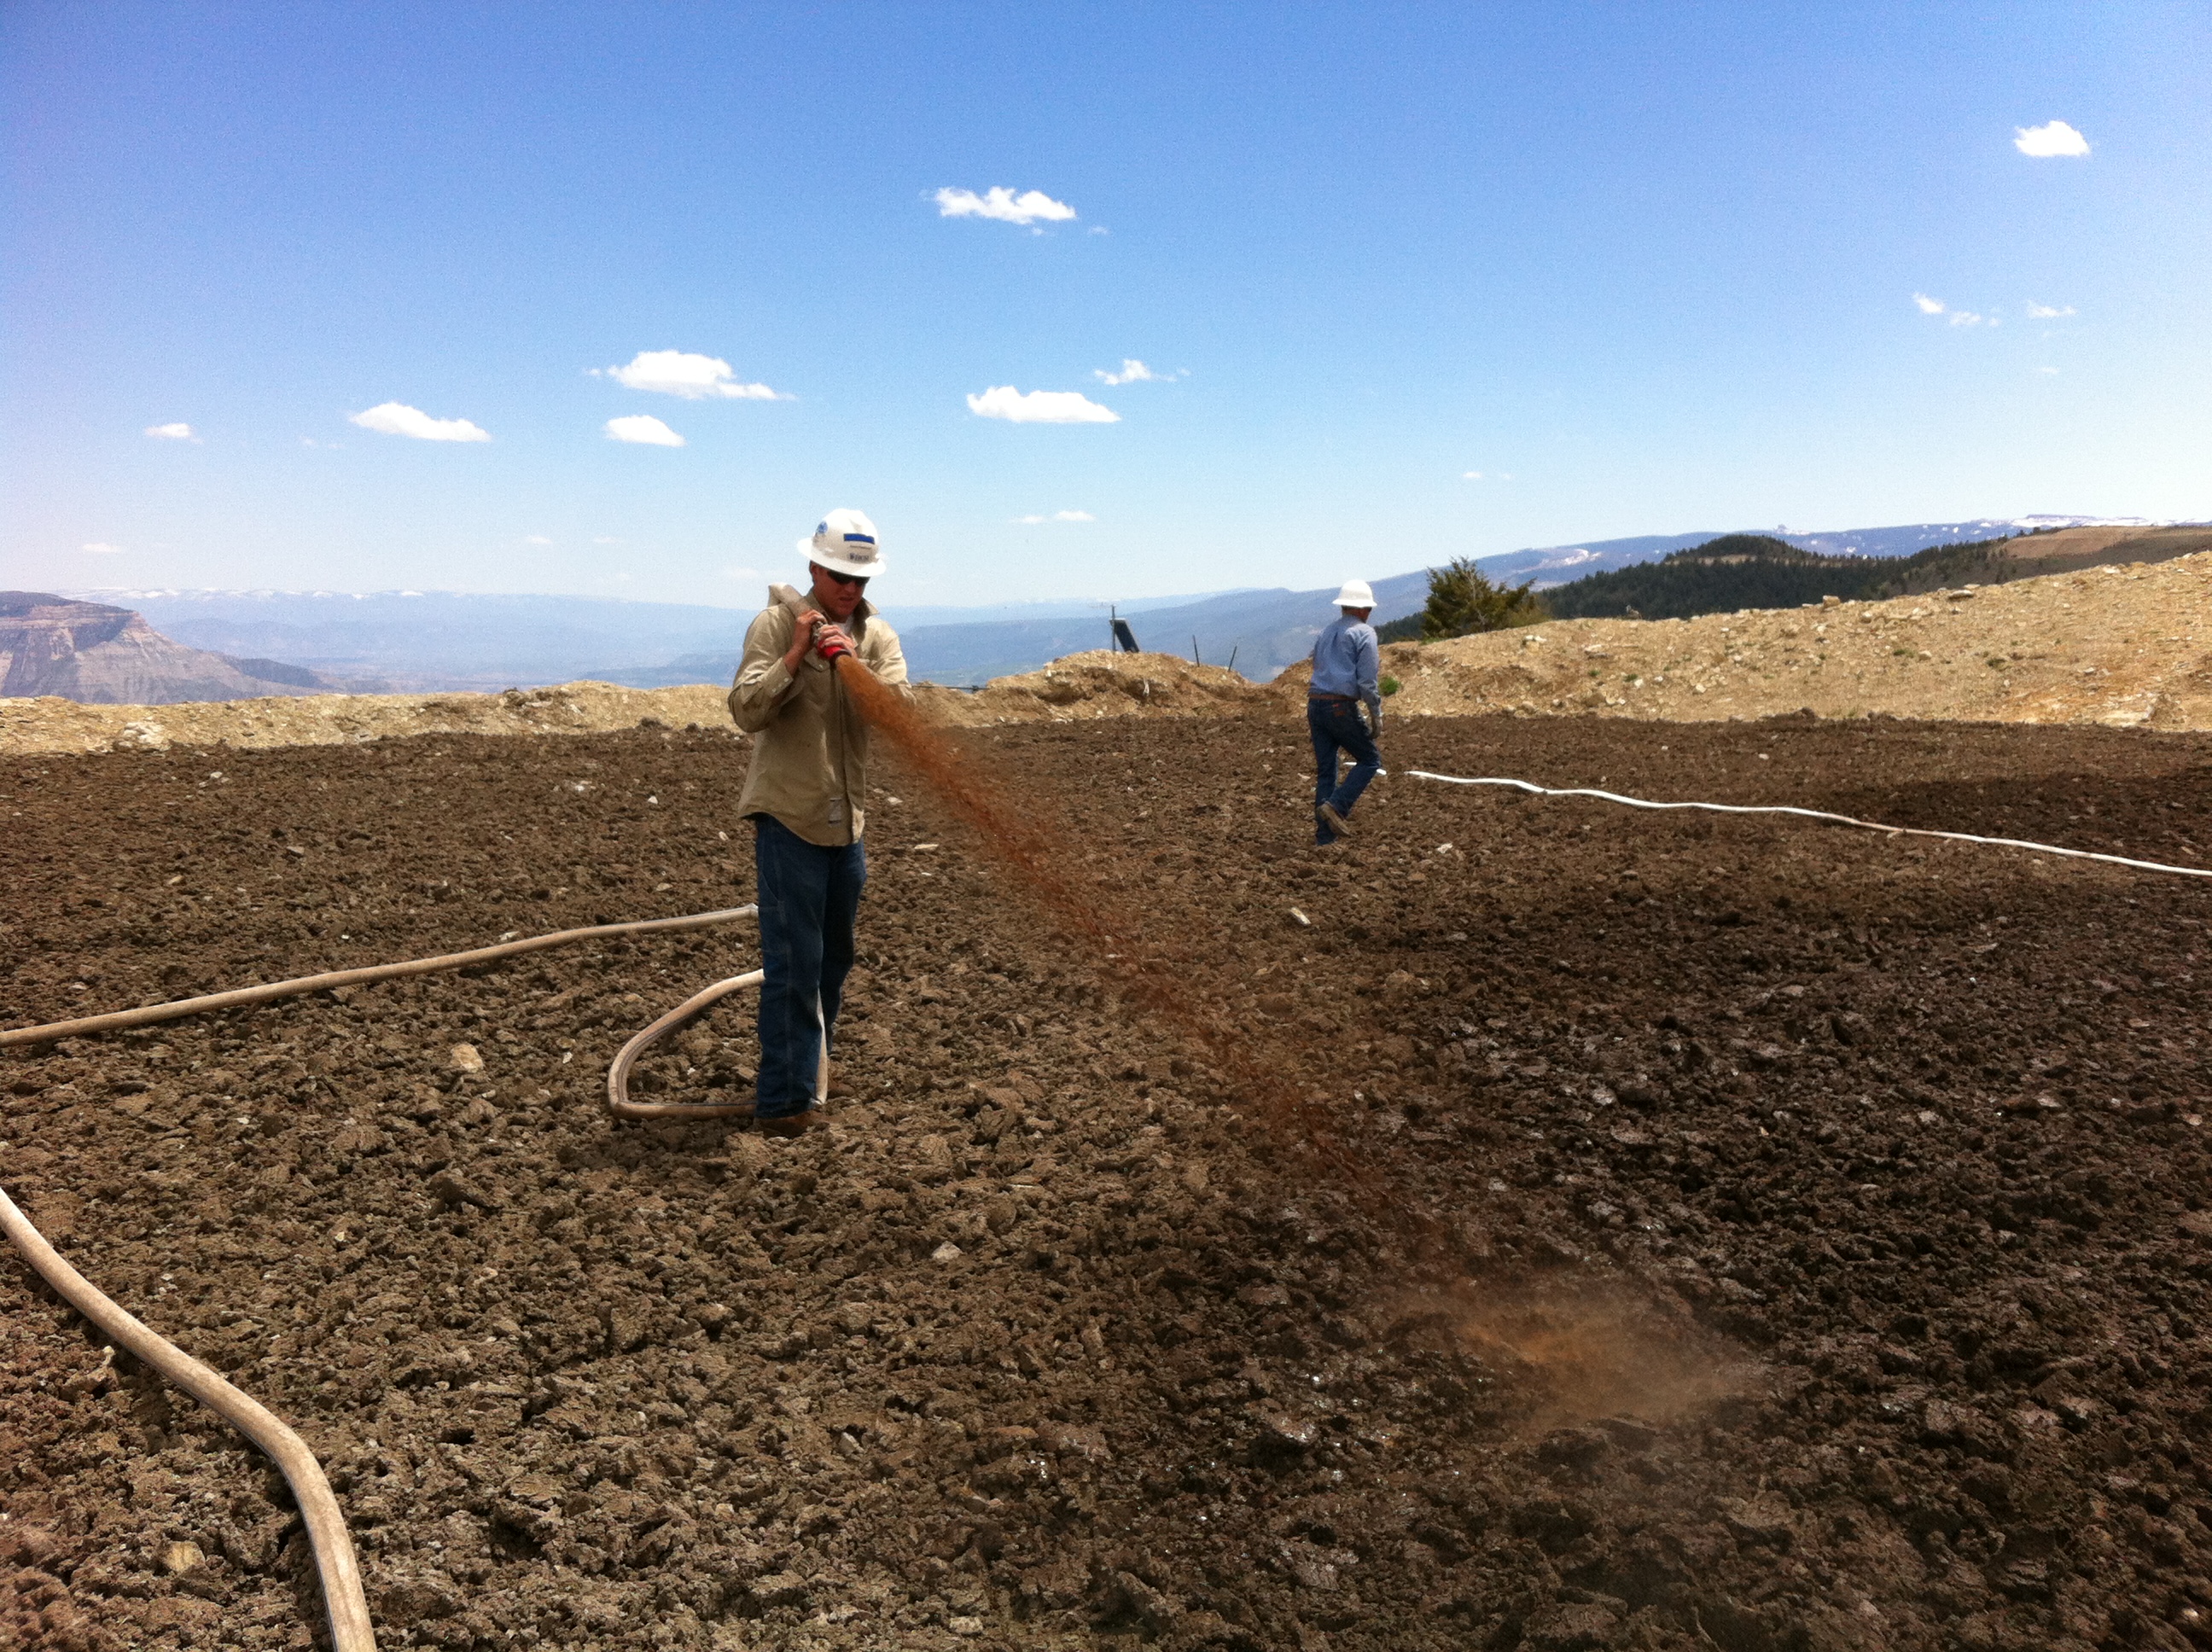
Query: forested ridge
[[1755, 570]]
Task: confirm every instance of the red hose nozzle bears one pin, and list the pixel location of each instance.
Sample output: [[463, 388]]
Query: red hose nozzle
[[832, 648]]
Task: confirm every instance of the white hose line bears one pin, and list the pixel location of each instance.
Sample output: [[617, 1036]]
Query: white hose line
[[340, 1572], [184, 1006], [1819, 814]]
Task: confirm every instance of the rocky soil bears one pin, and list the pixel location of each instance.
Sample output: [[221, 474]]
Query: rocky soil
[[1737, 1234]]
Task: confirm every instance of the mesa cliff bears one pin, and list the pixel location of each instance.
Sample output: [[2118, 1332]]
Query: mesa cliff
[[94, 654]]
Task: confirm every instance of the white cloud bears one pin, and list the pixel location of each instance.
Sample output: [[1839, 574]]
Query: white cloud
[[398, 419], [1134, 372], [644, 430], [179, 432], [1057, 516], [2046, 312], [1003, 204], [1956, 318], [2052, 137], [1477, 476], [1040, 407], [535, 539], [101, 549], [2051, 371], [680, 373]]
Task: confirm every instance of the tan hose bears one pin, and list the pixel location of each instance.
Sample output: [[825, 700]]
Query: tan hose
[[184, 1006], [618, 1101], [350, 1630], [326, 1528]]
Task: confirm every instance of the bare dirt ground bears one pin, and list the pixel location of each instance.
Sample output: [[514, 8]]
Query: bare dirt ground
[[1742, 1234]]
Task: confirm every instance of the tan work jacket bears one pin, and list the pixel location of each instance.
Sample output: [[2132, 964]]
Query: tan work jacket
[[810, 762]]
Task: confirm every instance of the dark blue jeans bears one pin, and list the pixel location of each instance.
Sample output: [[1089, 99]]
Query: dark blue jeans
[[809, 897], [1337, 726]]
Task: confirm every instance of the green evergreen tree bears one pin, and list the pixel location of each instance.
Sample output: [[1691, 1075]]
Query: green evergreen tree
[[1462, 601]]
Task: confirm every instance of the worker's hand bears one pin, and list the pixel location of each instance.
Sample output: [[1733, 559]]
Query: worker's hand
[[826, 635], [802, 637]]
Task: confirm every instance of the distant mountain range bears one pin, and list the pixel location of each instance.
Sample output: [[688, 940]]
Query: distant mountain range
[[444, 639]]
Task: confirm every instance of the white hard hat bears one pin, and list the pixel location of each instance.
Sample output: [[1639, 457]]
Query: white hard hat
[[845, 543], [1355, 594]]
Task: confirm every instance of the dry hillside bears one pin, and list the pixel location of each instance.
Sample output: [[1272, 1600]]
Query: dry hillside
[[2127, 646]]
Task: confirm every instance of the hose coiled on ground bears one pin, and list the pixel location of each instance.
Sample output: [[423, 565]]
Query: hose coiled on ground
[[336, 1564]]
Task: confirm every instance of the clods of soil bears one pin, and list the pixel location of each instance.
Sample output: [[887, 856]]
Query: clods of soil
[[1732, 1232]]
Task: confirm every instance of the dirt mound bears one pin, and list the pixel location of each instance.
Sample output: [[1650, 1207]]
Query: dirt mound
[[1104, 684], [49, 724], [1086, 685], [1825, 1250], [2126, 646]]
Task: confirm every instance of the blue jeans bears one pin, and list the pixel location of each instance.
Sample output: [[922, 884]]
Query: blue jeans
[[809, 897], [1337, 726]]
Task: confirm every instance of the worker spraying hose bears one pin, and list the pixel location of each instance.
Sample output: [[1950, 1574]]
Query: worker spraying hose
[[806, 794]]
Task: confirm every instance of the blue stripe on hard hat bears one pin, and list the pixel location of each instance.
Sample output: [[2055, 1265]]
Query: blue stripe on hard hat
[[859, 539]]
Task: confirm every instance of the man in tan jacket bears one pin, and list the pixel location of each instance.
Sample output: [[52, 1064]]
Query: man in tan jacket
[[805, 794]]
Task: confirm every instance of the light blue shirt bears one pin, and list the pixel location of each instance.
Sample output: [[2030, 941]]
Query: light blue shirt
[[1348, 659]]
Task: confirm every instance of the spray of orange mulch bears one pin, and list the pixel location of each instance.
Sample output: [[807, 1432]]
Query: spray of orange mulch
[[1591, 1352], [1022, 838]]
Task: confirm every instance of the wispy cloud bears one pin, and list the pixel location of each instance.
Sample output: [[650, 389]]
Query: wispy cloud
[[1955, 318], [2046, 312], [643, 430], [535, 539], [180, 432], [1003, 204], [2052, 137], [1057, 516], [1134, 372], [99, 550], [680, 373], [398, 419], [1040, 407], [1479, 475]]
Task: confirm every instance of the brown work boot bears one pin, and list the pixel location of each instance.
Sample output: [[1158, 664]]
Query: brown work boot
[[794, 1124]]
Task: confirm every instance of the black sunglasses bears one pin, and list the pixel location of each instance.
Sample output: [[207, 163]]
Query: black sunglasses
[[845, 579]]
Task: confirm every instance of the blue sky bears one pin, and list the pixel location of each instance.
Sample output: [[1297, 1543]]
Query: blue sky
[[1644, 269]]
